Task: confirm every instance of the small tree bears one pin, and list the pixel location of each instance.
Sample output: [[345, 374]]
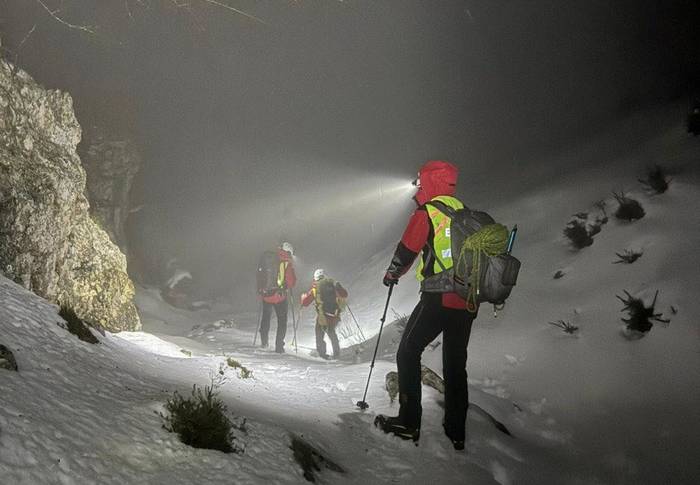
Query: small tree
[[200, 420]]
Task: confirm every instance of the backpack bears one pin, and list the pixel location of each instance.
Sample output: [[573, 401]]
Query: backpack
[[268, 271], [483, 268], [327, 297]]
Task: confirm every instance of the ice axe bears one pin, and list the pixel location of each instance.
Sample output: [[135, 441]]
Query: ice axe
[[363, 404]]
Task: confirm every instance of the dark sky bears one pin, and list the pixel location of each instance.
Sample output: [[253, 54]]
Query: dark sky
[[248, 129]]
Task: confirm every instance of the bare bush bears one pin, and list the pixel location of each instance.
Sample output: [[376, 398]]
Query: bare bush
[[655, 180], [565, 326], [628, 256], [640, 317], [577, 233], [628, 209], [401, 321], [350, 333], [244, 372]]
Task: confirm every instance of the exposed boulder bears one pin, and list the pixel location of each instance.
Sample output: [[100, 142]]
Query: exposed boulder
[[7, 359], [48, 242], [311, 459]]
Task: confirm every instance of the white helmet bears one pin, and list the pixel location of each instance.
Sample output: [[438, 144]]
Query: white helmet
[[287, 247], [319, 274]]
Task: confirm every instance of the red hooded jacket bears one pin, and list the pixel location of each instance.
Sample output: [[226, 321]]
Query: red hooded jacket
[[436, 177]]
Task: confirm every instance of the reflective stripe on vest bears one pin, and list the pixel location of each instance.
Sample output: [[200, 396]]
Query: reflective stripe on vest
[[441, 243], [281, 274]]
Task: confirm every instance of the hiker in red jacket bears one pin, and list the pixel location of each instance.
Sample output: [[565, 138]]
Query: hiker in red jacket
[[275, 279], [439, 310], [329, 298]]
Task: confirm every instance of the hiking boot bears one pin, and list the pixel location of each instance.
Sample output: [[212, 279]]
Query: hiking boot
[[458, 444], [393, 425], [280, 350]]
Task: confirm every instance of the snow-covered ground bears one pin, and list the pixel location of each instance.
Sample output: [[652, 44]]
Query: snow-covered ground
[[589, 408]]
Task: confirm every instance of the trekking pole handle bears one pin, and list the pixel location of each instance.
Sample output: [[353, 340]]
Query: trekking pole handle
[[386, 306]]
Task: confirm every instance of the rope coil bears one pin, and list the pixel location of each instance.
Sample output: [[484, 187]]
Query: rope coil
[[489, 241]]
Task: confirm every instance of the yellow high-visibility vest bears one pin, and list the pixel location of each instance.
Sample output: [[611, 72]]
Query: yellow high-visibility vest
[[442, 242]]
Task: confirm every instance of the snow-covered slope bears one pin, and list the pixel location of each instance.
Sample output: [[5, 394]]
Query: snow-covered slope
[[77, 413], [618, 408]]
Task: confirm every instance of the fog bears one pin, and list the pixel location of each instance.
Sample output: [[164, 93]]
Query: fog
[[306, 120]]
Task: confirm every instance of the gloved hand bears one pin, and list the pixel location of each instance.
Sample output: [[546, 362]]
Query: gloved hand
[[390, 279]]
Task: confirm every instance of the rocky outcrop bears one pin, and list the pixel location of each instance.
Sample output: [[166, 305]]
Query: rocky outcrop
[[110, 166], [48, 242], [7, 359]]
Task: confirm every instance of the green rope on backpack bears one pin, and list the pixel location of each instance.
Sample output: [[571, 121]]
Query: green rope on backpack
[[491, 240]]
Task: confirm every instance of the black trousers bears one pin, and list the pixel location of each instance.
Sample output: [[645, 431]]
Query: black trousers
[[281, 312], [321, 343], [427, 321]]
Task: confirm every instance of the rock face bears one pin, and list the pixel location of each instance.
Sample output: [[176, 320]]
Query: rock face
[[110, 166], [48, 242]]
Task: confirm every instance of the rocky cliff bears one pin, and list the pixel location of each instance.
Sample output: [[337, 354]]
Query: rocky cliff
[[48, 242], [111, 166]]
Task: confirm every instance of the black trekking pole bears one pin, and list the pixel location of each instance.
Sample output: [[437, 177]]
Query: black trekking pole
[[257, 330], [363, 404], [294, 321], [356, 323]]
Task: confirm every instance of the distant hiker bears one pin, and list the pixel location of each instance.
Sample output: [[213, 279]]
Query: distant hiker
[[438, 311], [275, 278], [329, 298], [178, 289]]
